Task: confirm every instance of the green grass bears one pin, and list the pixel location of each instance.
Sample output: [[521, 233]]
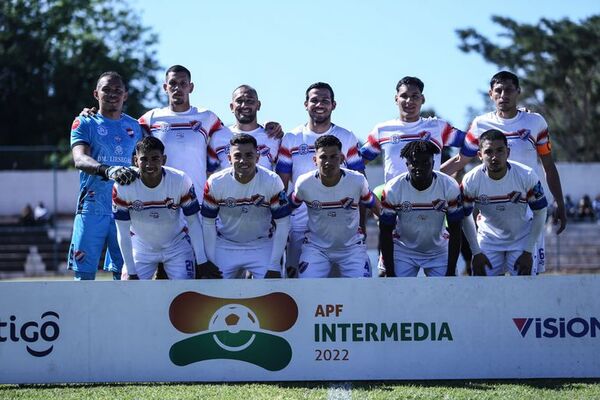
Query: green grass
[[530, 389]]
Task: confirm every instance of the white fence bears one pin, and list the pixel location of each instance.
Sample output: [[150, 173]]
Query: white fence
[[278, 330]]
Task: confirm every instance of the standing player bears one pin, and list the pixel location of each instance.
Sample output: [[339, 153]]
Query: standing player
[[244, 106], [253, 212], [148, 216], [332, 196], [528, 139], [505, 194], [416, 203], [390, 137], [102, 146], [296, 157]]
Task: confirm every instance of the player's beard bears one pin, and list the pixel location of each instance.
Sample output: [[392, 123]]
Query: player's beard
[[245, 118]]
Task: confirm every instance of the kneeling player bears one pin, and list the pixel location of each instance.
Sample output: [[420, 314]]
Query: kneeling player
[[150, 227], [505, 193], [332, 196], [416, 204], [253, 212]]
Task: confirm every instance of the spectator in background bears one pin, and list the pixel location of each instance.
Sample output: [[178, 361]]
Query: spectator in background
[[26, 217], [596, 206], [41, 214], [585, 209], [570, 207]]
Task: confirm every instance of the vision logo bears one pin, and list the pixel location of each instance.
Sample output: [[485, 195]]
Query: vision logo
[[233, 329], [558, 327]]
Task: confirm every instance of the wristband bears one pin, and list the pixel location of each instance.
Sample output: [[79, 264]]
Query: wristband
[[101, 170]]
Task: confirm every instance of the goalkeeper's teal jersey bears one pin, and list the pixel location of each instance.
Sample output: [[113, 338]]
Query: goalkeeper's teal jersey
[[111, 142]]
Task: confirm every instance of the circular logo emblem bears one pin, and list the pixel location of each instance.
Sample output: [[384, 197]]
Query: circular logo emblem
[[230, 202], [164, 127], [238, 322], [406, 206], [102, 131], [395, 139], [425, 135], [118, 150], [137, 205], [303, 148], [316, 205], [484, 199]]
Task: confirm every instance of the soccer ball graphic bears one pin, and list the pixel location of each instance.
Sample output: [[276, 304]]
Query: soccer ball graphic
[[228, 322]]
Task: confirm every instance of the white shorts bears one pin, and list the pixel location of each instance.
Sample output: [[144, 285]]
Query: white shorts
[[539, 257], [294, 249], [232, 259], [409, 265], [352, 261], [502, 261], [178, 259]]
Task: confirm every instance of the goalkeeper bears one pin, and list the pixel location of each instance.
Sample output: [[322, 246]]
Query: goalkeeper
[[102, 147]]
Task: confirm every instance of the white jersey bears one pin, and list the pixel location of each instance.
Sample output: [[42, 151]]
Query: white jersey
[[526, 133], [505, 205], [186, 136], [267, 147], [390, 137], [296, 158], [155, 213], [333, 216], [418, 215], [245, 210]]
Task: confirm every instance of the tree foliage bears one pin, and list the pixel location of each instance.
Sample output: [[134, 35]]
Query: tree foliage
[[51, 54], [560, 71]]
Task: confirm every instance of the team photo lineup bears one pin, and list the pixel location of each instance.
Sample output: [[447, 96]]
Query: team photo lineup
[[176, 194]]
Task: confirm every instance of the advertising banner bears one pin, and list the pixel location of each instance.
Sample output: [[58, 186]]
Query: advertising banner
[[279, 330]]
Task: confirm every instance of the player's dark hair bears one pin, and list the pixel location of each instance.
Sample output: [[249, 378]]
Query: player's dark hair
[[247, 88], [149, 143], [179, 68], [417, 147], [326, 141], [504, 76], [111, 75], [243, 138], [491, 135], [411, 81], [320, 85]]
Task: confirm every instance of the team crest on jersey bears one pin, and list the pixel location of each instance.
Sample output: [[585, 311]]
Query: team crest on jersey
[[483, 199], [164, 127], [425, 135], [118, 150], [406, 206], [347, 203], [395, 139], [129, 131], [303, 149], [137, 205], [440, 205], [258, 199], [230, 202], [196, 125], [78, 255], [102, 131], [523, 133], [514, 197], [316, 204], [262, 150], [75, 124], [170, 204]]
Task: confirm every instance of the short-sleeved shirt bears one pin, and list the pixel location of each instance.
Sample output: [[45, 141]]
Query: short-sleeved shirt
[[296, 158], [333, 216], [418, 215], [390, 137], [505, 205], [111, 142], [526, 133], [245, 210], [186, 136], [155, 213], [267, 147]]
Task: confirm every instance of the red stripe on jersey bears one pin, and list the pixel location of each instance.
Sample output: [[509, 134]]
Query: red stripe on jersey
[[118, 201], [284, 152], [353, 151], [471, 138], [216, 126], [144, 125], [211, 152], [374, 142], [446, 133], [75, 124]]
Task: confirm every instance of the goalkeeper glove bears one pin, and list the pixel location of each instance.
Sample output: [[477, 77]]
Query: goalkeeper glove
[[121, 175]]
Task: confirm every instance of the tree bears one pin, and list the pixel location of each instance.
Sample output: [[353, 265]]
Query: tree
[[51, 54], [558, 64]]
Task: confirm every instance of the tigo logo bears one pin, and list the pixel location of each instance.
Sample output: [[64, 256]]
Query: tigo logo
[[234, 329], [558, 327]]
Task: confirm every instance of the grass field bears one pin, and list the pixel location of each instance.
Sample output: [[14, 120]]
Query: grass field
[[529, 389]]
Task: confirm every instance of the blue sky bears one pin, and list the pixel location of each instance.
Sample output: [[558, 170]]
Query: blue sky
[[361, 48]]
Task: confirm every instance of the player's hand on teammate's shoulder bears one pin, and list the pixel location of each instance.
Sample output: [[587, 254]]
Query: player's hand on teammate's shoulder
[[88, 112], [273, 130], [524, 263], [272, 274], [208, 270], [120, 174], [480, 261]]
